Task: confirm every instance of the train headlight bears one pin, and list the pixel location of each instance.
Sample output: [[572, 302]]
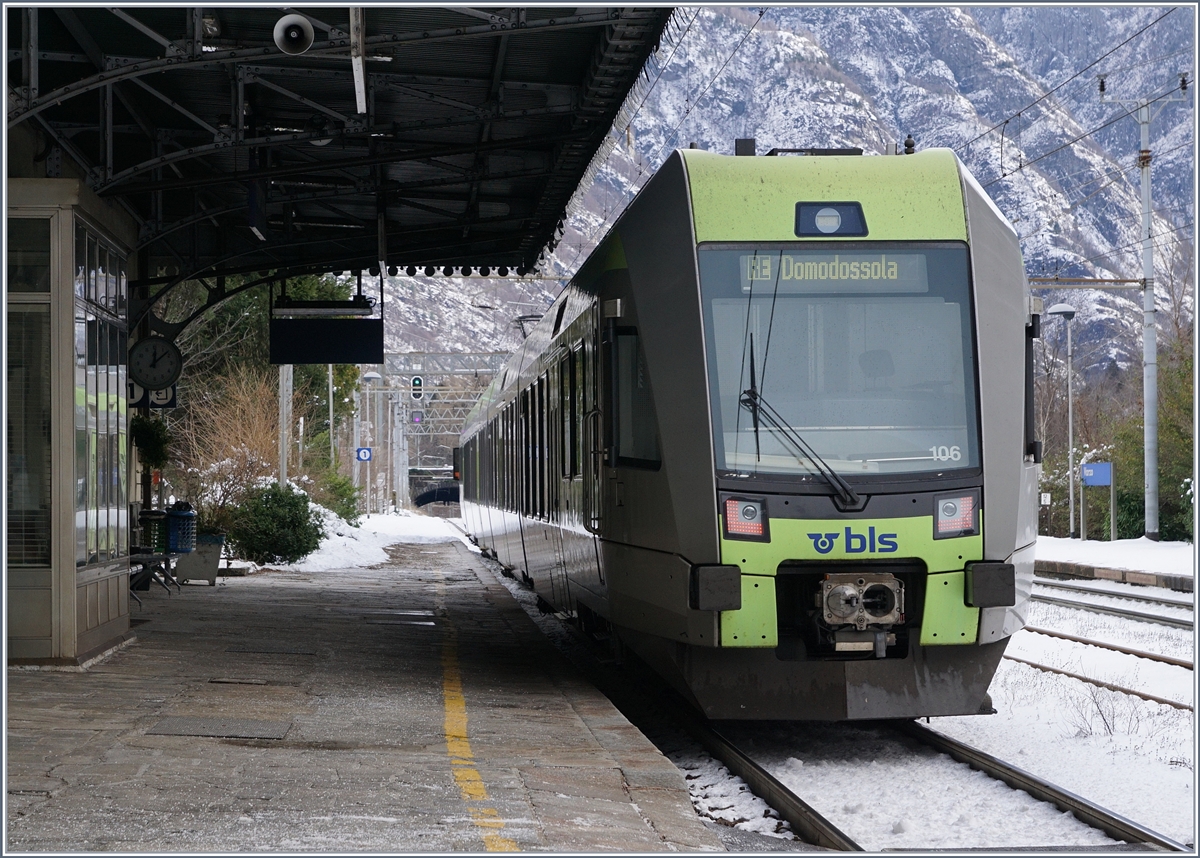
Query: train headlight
[[956, 515], [746, 518]]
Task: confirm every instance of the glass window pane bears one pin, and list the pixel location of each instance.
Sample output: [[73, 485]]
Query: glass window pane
[[102, 446], [102, 276], [122, 502], [92, 422], [27, 414], [93, 250], [80, 260], [81, 436], [28, 255], [637, 437], [871, 362], [122, 287]]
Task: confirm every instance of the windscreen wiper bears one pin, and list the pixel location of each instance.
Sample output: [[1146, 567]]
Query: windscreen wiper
[[753, 391], [753, 402]]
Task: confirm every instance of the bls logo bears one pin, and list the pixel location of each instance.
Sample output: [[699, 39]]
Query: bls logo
[[856, 543]]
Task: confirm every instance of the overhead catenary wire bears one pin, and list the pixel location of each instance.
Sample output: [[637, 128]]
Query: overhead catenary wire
[[1136, 244], [671, 135], [1119, 170], [1074, 140], [1048, 93]]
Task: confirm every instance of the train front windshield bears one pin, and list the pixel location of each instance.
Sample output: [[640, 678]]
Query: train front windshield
[[863, 352]]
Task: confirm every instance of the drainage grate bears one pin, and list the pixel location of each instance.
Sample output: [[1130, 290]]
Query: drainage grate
[[277, 649], [221, 728], [224, 681]]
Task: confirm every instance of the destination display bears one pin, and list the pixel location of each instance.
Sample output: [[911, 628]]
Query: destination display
[[834, 272]]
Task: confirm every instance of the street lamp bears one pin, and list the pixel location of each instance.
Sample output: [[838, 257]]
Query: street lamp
[[1068, 313]]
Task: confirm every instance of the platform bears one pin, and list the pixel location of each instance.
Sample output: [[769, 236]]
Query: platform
[[410, 707]]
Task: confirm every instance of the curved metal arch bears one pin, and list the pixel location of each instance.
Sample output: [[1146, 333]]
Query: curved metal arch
[[334, 47], [351, 261], [333, 193]]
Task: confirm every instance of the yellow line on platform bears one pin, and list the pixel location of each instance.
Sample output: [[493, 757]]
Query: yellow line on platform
[[458, 746]]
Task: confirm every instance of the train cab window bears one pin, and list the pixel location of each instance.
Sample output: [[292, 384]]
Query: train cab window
[[865, 350], [634, 427]]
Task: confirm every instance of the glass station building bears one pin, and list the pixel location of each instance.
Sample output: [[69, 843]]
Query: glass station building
[[68, 466]]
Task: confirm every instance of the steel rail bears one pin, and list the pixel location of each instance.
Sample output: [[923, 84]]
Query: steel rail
[[1151, 656], [1120, 689], [804, 819], [1079, 588], [1112, 824], [1176, 622]]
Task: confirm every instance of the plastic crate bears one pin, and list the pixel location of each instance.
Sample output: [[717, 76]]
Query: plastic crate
[[154, 530], [181, 529]]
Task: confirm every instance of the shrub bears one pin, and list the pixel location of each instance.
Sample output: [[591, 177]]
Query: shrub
[[274, 524], [337, 492], [153, 440]]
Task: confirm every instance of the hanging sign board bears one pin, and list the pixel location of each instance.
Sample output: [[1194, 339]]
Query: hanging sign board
[[140, 397], [299, 341]]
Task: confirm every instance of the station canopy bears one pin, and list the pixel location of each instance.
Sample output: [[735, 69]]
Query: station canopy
[[415, 136]]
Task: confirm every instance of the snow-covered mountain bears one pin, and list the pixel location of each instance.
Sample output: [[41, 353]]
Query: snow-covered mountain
[[1012, 90]]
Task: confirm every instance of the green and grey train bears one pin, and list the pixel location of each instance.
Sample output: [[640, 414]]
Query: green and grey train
[[776, 436]]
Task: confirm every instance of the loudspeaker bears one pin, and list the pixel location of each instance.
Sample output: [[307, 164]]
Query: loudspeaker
[[293, 34]]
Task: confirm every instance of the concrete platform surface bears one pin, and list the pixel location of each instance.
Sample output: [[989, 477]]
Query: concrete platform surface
[[420, 710]]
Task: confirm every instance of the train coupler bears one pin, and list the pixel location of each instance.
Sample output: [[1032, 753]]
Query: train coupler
[[870, 640], [861, 600]]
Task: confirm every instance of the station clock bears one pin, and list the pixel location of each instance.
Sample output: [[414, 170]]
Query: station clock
[[155, 363]]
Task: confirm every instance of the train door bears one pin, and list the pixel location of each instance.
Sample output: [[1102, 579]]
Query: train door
[[593, 429]]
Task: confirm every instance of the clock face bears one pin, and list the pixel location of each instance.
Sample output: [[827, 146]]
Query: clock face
[[155, 363]]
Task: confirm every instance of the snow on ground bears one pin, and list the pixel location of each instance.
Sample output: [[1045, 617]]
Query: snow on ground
[[1149, 637], [1127, 671], [346, 546], [1133, 757], [1138, 555], [888, 792]]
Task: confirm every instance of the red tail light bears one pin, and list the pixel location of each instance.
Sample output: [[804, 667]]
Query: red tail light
[[956, 515], [745, 519]]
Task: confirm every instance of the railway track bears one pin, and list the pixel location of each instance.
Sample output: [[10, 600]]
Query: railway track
[[814, 828], [641, 701], [1113, 610], [1151, 656], [1112, 824], [1172, 601]]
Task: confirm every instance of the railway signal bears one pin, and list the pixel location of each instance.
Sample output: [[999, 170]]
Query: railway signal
[[417, 387]]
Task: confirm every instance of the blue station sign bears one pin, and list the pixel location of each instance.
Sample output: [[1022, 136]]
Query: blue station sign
[[1097, 474]]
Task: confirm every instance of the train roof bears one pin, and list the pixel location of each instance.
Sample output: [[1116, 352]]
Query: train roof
[[915, 197]]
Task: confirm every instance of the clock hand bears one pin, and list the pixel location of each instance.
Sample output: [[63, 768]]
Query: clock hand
[[157, 357]]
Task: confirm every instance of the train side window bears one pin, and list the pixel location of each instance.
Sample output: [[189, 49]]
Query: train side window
[[586, 401], [541, 447], [635, 429], [566, 415], [571, 405], [526, 456]]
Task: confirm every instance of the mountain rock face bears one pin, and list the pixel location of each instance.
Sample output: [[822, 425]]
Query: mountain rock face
[[1014, 91]]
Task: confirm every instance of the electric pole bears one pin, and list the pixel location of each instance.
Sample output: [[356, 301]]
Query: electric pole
[[1142, 110]]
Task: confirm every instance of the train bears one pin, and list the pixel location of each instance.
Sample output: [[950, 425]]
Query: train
[[776, 437]]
